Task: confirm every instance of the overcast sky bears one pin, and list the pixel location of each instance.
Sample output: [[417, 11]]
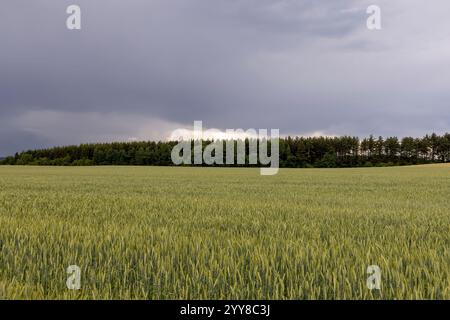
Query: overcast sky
[[139, 69]]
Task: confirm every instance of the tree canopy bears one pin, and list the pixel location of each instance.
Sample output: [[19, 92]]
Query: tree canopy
[[295, 152]]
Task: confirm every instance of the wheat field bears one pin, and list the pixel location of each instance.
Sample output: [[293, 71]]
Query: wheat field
[[224, 233]]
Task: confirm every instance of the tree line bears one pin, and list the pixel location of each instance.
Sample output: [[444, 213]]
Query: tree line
[[295, 152]]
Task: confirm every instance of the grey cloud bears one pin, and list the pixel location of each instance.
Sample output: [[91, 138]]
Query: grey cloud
[[302, 66]]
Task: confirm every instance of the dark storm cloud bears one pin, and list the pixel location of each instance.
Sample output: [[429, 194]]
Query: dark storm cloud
[[138, 68]]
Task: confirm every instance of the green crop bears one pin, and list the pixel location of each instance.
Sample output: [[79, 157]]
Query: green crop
[[224, 233]]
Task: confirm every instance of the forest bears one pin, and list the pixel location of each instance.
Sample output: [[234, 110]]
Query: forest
[[295, 152]]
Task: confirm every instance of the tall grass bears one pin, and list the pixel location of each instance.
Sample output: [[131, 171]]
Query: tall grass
[[213, 233]]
